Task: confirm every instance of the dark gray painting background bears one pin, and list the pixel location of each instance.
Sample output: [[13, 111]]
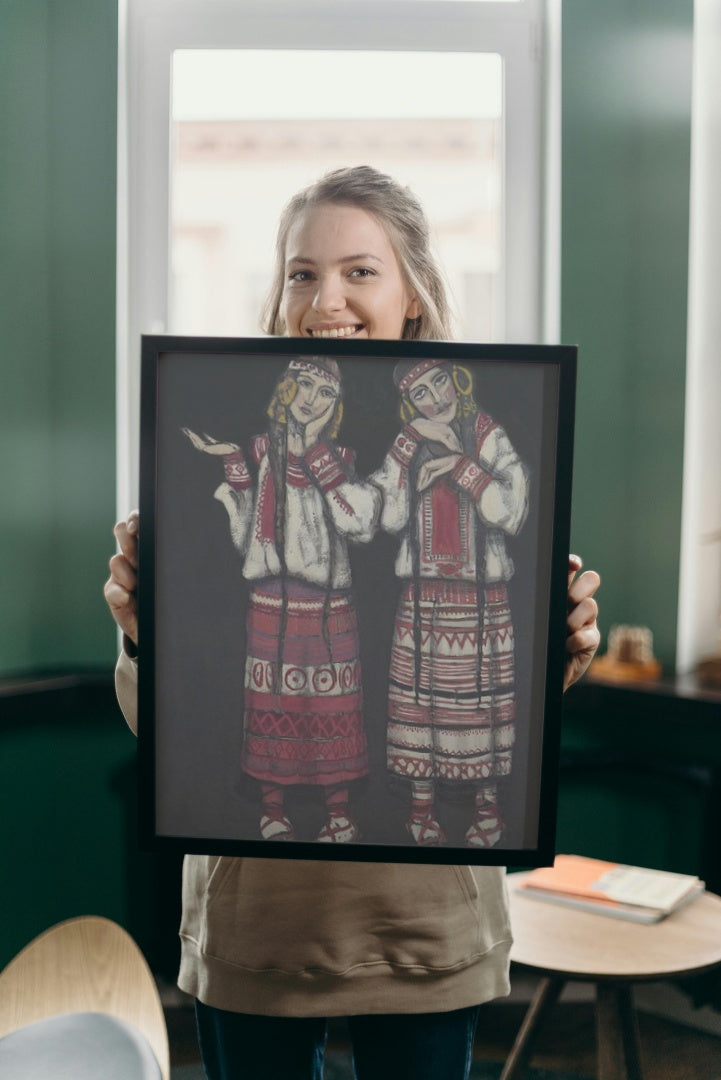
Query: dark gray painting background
[[200, 598]]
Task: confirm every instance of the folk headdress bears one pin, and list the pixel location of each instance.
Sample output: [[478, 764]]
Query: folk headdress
[[406, 372], [325, 368]]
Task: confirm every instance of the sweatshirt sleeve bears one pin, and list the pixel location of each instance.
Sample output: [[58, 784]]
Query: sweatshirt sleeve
[[126, 688]]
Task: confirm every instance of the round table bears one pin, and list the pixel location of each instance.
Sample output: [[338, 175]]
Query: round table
[[562, 944]]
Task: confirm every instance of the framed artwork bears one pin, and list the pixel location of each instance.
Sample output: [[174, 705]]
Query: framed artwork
[[352, 597]]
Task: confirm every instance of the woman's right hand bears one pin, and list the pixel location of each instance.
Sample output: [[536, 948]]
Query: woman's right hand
[[208, 445], [121, 587]]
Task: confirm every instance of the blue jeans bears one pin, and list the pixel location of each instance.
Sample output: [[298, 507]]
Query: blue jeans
[[414, 1046]]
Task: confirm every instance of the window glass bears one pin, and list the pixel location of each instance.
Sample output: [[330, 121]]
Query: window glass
[[251, 127]]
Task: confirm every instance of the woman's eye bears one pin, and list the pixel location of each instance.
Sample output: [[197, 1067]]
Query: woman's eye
[[362, 272], [440, 380], [419, 395], [299, 276]]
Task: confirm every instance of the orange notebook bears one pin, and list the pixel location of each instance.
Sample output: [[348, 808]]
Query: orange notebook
[[631, 892]]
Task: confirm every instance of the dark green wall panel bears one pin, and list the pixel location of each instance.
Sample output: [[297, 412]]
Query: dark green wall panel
[[626, 144], [58, 80]]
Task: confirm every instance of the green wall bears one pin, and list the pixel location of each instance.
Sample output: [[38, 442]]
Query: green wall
[[626, 145], [67, 761], [58, 73], [626, 137]]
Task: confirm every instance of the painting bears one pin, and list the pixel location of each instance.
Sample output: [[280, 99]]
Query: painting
[[352, 597]]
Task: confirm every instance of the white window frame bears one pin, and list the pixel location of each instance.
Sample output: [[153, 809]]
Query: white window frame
[[699, 600], [526, 34]]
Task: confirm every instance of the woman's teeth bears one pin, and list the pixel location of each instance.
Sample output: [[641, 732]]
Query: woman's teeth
[[337, 331]]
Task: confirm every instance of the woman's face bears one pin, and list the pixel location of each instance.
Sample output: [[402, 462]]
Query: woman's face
[[434, 395], [313, 399], [342, 277]]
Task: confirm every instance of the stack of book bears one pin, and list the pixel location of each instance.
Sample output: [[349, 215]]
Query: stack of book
[[608, 888]]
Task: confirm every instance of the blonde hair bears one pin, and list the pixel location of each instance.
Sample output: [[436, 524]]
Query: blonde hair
[[402, 216]]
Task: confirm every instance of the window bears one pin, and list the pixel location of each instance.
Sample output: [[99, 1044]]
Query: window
[[235, 160], [219, 97]]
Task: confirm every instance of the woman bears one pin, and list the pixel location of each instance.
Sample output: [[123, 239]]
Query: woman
[[291, 528], [271, 948], [453, 488]]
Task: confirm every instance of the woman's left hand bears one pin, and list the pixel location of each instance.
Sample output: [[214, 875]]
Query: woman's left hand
[[434, 468], [583, 635]]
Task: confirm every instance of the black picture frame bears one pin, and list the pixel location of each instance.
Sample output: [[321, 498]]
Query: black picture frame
[[196, 794]]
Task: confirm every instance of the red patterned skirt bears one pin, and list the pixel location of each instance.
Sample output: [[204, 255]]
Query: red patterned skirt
[[458, 723], [309, 729]]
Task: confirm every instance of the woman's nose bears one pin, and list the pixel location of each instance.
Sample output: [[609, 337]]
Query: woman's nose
[[329, 295]]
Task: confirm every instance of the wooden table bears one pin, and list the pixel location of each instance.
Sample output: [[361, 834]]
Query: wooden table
[[563, 944]]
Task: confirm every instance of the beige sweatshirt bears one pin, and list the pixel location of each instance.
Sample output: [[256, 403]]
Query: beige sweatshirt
[[299, 938]]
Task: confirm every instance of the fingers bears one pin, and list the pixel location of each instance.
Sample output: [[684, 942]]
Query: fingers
[[121, 587], [208, 445], [123, 573], [424, 478], [584, 613], [123, 606], [582, 587], [582, 633], [429, 472], [575, 563], [196, 440], [434, 468], [442, 433], [314, 428], [584, 641], [126, 534]]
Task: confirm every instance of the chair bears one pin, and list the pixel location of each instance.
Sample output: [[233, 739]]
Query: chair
[[80, 1002]]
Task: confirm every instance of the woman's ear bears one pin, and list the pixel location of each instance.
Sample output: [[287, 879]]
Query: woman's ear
[[415, 309]]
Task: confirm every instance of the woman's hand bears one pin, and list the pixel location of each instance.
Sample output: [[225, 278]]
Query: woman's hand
[[312, 430], [208, 445], [121, 587], [431, 470], [435, 432], [302, 436], [583, 635]]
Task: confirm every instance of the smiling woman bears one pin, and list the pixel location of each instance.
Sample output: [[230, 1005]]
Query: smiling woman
[[353, 259], [332, 289]]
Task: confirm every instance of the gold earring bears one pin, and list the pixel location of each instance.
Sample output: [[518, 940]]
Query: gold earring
[[464, 391]]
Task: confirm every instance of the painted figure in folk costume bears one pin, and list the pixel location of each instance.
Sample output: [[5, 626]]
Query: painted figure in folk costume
[[453, 488], [303, 720]]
